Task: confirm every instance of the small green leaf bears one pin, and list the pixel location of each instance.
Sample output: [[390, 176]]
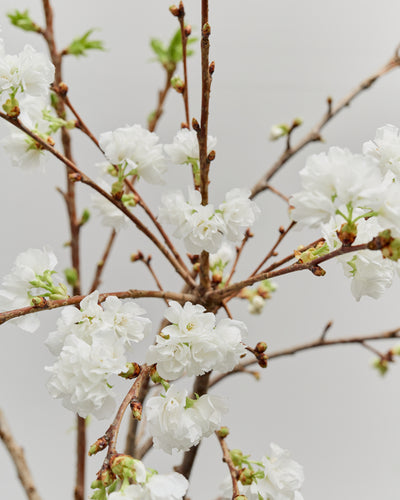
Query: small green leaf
[[79, 46], [22, 20]]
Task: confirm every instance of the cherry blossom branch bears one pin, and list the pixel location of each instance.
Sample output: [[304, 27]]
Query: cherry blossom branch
[[74, 225], [184, 37], [47, 305], [79, 176], [101, 263], [17, 454], [297, 266], [315, 133], [320, 342], [228, 460], [292, 256], [282, 234]]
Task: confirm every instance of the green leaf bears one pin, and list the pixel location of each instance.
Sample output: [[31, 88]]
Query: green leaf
[[79, 46], [22, 20]]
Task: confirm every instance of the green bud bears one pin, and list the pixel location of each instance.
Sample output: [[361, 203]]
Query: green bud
[[38, 301], [136, 408], [71, 275], [79, 46], [261, 347], [223, 432], [347, 233], [117, 189], [124, 466], [85, 217], [381, 365], [189, 403], [178, 84], [392, 251], [22, 20], [11, 107], [99, 445], [237, 457], [155, 377], [246, 476], [278, 131], [129, 200], [133, 370]]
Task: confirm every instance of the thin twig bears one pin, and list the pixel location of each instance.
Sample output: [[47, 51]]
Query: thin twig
[[18, 457], [161, 98], [228, 460], [147, 263], [321, 342], [239, 250], [185, 94], [76, 299], [315, 133], [100, 265]]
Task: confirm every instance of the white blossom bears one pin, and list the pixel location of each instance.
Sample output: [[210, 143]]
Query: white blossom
[[238, 212], [185, 147], [29, 71], [90, 344], [174, 425], [80, 374], [158, 487], [385, 148], [224, 256], [137, 147], [17, 289], [332, 181], [111, 216], [193, 344]]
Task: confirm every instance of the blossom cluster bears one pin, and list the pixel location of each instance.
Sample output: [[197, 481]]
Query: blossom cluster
[[203, 227], [194, 343], [91, 345], [358, 193], [31, 278], [178, 422], [278, 478]]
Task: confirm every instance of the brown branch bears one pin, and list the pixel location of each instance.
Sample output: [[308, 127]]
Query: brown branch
[[232, 469], [161, 98], [18, 457], [239, 250], [76, 299], [79, 176], [184, 37], [315, 133], [321, 342], [100, 265], [278, 193], [312, 266], [282, 234]]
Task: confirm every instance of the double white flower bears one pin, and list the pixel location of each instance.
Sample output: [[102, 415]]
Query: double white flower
[[194, 344]]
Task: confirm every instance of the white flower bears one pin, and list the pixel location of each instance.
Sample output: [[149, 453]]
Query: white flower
[[91, 344], [137, 147], [332, 181], [23, 151], [173, 424], [174, 209], [224, 256], [185, 147], [125, 318], [158, 487], [256, 304], [385, 148], [193, 345], [17, 289], [203, 230], [80, 375], [29, 71], [111, 216], [238, 212]]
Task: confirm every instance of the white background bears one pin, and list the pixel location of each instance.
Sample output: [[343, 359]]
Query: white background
[[274, 61]]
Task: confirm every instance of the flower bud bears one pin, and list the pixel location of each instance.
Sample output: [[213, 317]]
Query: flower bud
[[155, 377], [206, 31], [136, 408], [278, 131], [174, 10], [261, 347], [347, 233], [211, 156], [195, 125], [63, 88], [211, 68], [99, 445], [39, 301], [188, 30], [123, 466], [246, 476], [106, 476], [178, 84], [262, 360], [237, 457], [133, 370], [223, 432]]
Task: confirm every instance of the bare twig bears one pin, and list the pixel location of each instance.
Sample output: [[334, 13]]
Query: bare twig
[[100, 265], [321, 342], [76, 299], [161, 98], [315, 133], [184, 37], [239, 250], [18, 457], [228, 460]]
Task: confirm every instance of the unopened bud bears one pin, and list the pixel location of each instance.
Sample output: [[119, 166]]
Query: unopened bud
[[261, 347], [63, 88], [178, 84], [137, 256], [246, 476], [99, 445], [347, 233], [206, 31], [39, 301], [133, 370], [195, 125], [136, 408], [262, 360], [123, 466], [317, 270], [211, 156], [106, 476], [237, 457], [50, 141], [155, 377], [74, 177], [188, 30], [217, 277], [174, 10], [223, 432], [211, 68]]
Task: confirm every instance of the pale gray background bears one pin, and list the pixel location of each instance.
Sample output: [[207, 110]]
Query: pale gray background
[[274, 61]]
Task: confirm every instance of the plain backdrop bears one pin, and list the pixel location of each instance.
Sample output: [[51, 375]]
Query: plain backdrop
[[274, 61]]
